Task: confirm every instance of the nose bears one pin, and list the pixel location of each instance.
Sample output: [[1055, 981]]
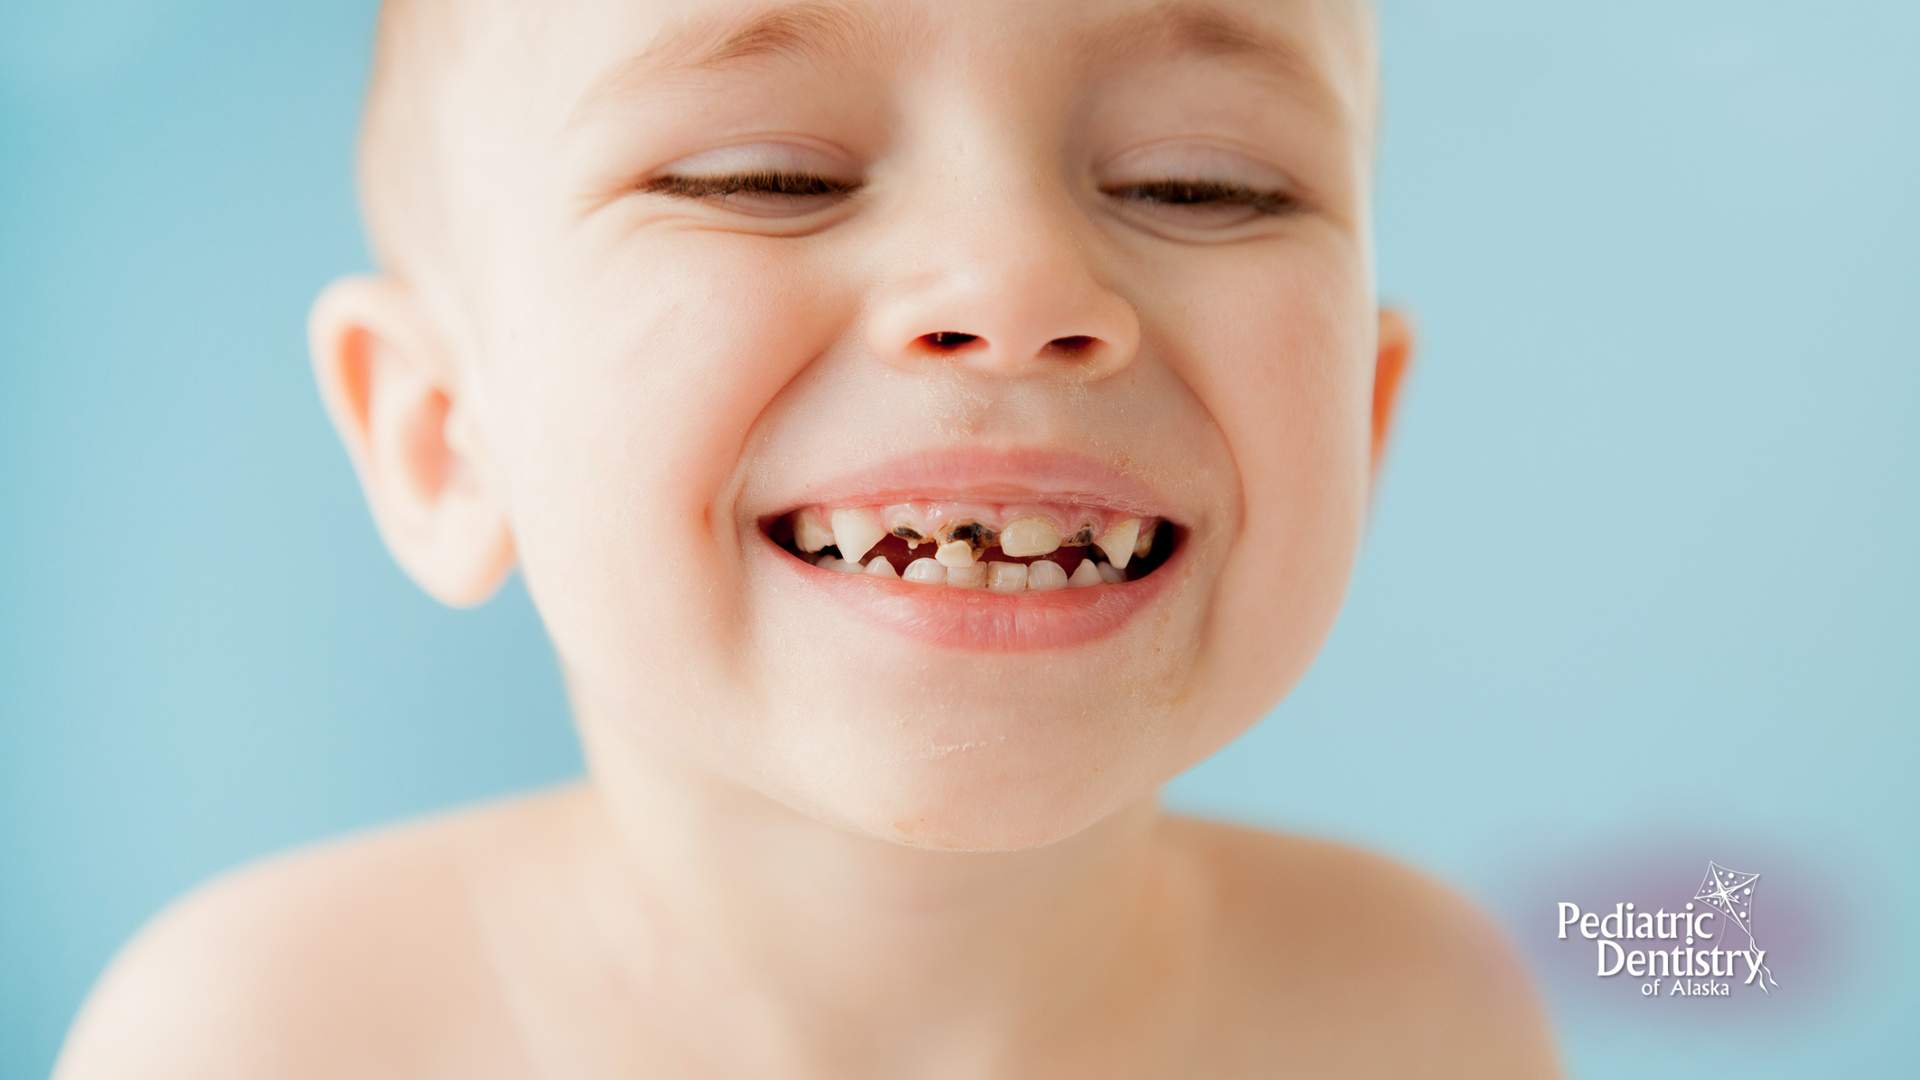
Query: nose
[[1003, 284]]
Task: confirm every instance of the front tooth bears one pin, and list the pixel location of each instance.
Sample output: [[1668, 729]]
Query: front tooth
[[880, 567], [901, 523], [967, 577], [855, 532], [1111, 575], [1029, 536], [809, 532], [1145, 543], [978, 536], [955, 554], [925, 572], [1087, 573], [1007, 576], [1045, 576], [1117, 541]]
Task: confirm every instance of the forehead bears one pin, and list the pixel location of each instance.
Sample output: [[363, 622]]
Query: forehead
[[590, 51]]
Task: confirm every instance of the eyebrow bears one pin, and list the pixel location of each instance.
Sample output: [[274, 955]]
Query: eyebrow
[[806, 30], [815, 30], [1196, 28]]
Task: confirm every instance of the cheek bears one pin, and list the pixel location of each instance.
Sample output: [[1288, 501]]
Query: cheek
[[1282, 358], [630, 399]]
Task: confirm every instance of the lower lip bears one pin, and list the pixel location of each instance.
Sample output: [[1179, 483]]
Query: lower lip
[[980, 620]]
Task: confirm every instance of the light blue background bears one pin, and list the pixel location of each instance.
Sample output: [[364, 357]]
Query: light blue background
[[1653, 505]]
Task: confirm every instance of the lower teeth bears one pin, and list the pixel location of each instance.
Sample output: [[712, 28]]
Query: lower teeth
[[1041, 575]]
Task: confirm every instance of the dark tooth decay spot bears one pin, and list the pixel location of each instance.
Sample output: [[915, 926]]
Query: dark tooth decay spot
[[975, 534], [1081, 538], [906, 533]]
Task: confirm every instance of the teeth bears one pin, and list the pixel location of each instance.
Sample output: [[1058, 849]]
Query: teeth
[[959, 540], [855, 532], [1029, 536], [810, 534], [926, 572], [1045, 576], [1007, 577], [1145, 543], [1087, 573], [955, 554], [1117, 542], [967, 577]]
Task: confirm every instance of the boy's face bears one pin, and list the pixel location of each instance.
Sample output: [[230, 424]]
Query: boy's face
[[708, 265]]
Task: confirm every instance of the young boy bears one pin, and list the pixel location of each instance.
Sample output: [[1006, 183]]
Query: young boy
[[925, 428]]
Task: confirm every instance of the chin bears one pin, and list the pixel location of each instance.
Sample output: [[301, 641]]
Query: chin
[[979, 773]]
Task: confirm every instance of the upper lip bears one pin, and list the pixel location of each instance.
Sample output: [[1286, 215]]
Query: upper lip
[[991, 475]]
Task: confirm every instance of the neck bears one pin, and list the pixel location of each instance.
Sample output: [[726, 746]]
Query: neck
[[805, 948]]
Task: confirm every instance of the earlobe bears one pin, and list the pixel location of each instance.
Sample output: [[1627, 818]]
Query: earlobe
[[1391, 363], [396, 399]]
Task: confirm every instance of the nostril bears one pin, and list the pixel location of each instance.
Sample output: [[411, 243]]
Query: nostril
[[948, 340], [1077, 345]]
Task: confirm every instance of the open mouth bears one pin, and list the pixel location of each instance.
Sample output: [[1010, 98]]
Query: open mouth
[[1000, 549]]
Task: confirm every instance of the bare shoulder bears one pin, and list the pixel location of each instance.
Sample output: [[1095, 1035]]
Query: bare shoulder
[[1335, 962], [357, 958]]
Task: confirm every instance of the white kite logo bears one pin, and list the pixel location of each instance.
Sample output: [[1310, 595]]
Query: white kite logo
[[1731, 893]]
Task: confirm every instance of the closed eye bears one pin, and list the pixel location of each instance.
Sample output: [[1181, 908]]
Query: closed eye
[[762, 191]]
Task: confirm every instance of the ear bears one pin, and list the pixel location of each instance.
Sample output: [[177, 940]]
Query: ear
[[1389, 371], [395, 397]]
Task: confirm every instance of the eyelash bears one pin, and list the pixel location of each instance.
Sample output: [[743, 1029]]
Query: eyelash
[[1207, 193], [788, 184]]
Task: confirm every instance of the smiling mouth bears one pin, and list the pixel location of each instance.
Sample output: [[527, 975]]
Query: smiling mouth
[[998, 548]]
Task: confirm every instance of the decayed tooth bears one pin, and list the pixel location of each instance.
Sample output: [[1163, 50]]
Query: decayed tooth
[[1145, 543], [901, 523], [967, 577], [1117, 541], [1087, 573], [855, 532], [1007, 576], [955, 554], [880, 567], [811, 534], [925, 572], [1045, 576], [1029, 536], [1081, 536], [977, 536], [1111, 574]]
